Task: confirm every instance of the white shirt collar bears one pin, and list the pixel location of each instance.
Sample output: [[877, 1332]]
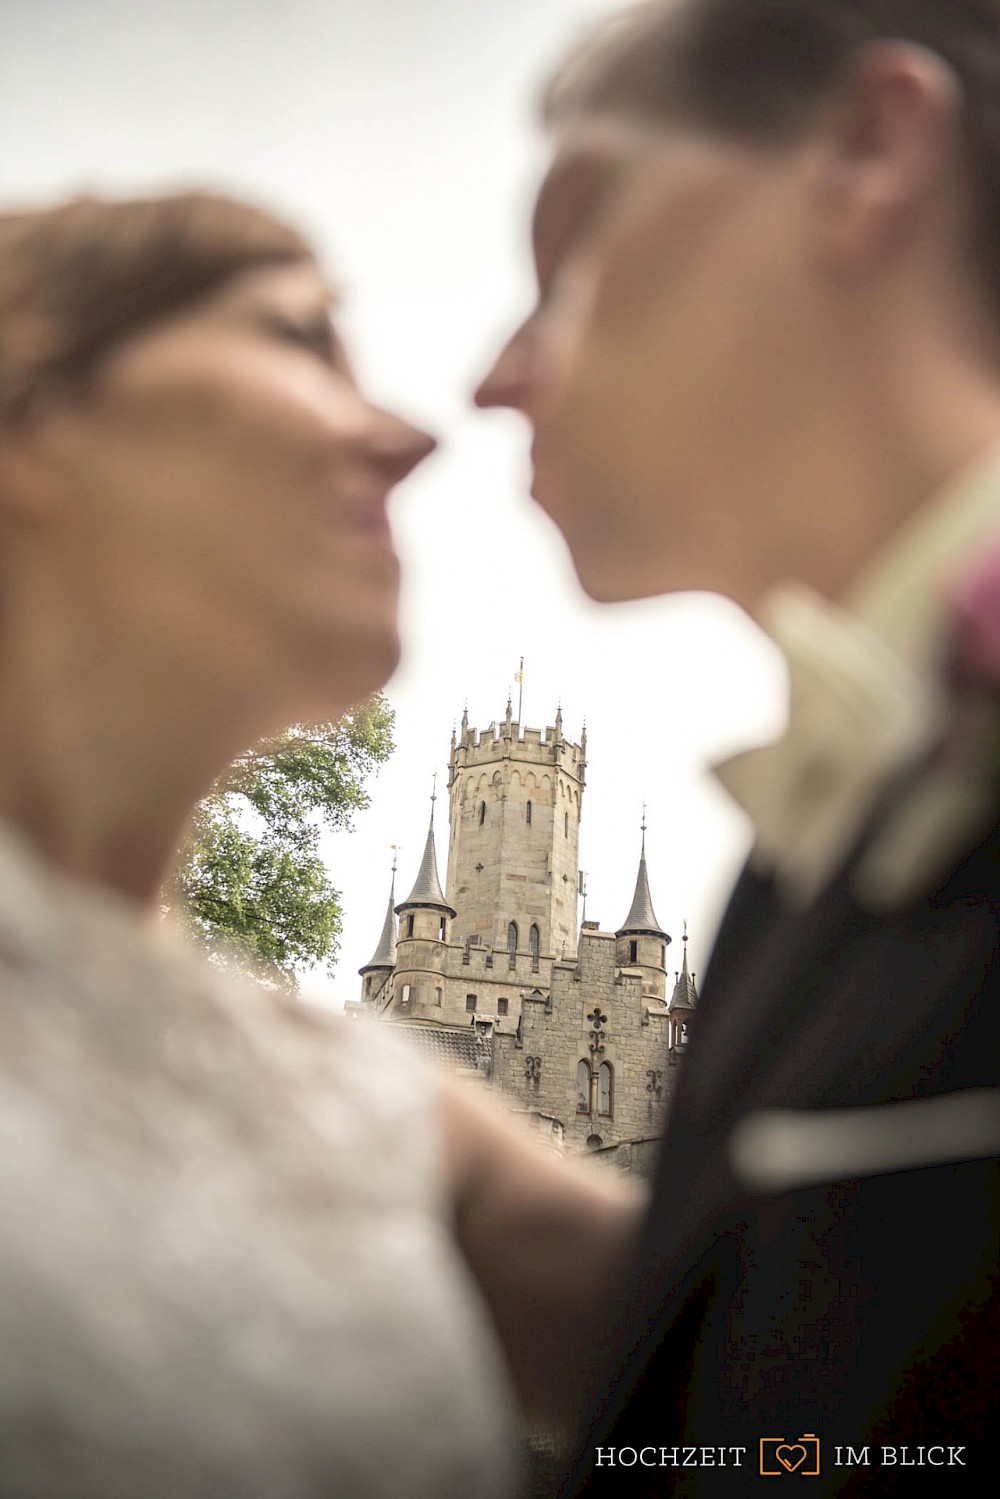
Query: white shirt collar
[[865, 699]]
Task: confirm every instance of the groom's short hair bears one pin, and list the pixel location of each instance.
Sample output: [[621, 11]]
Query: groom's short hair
[[756, 68]]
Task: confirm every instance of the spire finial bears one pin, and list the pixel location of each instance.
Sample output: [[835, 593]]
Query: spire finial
[[434, 796], [643, 825], [684, 963]]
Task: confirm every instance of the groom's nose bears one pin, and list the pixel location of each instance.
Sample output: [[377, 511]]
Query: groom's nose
[[508, 381]]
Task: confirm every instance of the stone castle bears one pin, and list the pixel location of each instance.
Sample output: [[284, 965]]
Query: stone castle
[[577, 1027]]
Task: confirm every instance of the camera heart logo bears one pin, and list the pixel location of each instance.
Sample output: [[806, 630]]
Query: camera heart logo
[[779, 1456]]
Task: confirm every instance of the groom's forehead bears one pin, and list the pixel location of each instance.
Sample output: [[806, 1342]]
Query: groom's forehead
[[592, 158]]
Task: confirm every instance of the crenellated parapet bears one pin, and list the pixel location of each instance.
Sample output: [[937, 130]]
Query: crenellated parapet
[[515, 799]]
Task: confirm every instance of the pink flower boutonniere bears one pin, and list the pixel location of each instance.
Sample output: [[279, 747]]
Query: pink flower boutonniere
[[972, 660]]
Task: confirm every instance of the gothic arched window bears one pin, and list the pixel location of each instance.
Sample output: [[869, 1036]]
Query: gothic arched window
[[583, 1076], [565, 824], [482, 813], [512, 943], [534, 940], [605, 1089], [527, 814]]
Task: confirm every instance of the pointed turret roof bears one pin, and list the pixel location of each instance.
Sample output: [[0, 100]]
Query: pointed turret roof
[[641, 919], [685, 995], [427, 887], [384, 955]]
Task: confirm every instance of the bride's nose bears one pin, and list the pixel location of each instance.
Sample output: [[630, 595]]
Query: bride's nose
[[400, 446]]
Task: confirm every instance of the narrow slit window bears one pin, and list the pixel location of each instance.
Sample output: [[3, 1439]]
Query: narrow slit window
[[512, 943]]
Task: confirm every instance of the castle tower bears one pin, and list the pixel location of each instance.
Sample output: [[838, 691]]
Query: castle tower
[[513, 851], [421, 942], [383, 959], [683, 1002], [640, 941]]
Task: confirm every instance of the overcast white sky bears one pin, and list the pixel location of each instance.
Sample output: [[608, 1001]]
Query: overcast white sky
[[402, 135]]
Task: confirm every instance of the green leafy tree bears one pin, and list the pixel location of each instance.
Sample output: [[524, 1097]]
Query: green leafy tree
[[250, 885]]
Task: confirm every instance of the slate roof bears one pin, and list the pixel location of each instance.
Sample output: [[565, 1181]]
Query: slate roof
[[641, 919], [450, 1046], [685, 995], [427, 887], [384, 955]]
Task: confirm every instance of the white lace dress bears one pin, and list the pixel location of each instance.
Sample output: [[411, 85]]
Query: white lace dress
[[225, 1265]]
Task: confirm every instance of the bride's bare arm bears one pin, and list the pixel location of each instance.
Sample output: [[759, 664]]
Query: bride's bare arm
[[546, 1239]]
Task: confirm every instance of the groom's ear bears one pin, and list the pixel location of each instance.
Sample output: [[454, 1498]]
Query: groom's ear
[[884, 157]]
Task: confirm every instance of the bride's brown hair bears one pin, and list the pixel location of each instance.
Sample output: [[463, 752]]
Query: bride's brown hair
[[77, 278], [755, 68]]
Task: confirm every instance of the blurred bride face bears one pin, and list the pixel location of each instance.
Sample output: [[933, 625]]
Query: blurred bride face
[[221, 483]]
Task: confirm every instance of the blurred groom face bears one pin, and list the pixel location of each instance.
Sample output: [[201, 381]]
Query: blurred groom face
[[662, 301], [669, 356], [593, 159], [722, 321]]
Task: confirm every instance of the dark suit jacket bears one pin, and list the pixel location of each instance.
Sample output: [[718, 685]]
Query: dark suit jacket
[[858, 1310]]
